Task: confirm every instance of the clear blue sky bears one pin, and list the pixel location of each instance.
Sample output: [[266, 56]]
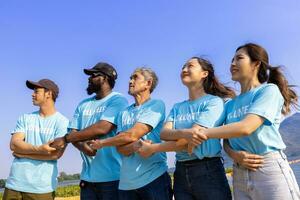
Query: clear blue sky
[[57, 39]]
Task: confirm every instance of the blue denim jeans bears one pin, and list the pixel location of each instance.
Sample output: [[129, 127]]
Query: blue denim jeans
[[201, 180], [99, 191], [159, 189]]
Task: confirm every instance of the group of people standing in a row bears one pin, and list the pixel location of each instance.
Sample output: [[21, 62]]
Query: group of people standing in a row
[[120, 145]]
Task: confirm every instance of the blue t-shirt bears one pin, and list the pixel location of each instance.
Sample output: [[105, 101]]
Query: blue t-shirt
[[36, 176], [206, 111], [105, 166], [265, 101], [136, 171]]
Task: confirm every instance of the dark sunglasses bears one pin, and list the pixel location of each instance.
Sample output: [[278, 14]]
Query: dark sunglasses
[[96, 74]]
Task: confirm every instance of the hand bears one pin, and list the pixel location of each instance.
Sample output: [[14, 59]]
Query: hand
[[95, 144], [58, 143], [195, 135], [86, 149], [248, 160], [128, 149], [46, 149], [146, 149]]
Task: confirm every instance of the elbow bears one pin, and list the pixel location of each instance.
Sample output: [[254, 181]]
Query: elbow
[[128, 138], [246, 131], [12, 146], [163, 136]]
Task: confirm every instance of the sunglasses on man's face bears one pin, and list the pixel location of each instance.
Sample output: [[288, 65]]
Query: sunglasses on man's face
[[94, 75]]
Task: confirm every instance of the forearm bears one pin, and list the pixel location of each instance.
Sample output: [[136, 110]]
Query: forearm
[[78, 145], [228, 131], [172, 134], [37, 156], [118, 140], [168, 146], [230, 152], [24, 148], [91, 132]]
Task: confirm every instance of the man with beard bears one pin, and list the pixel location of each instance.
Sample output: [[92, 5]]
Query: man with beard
[[96, 117]]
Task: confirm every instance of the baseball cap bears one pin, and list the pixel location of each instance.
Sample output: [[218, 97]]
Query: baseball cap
[[103, 68], [44, 83]]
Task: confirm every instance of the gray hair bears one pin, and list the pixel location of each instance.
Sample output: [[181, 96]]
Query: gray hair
[[148, 74]]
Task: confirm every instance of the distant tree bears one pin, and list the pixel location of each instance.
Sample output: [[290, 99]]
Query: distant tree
[[63, 176], [2, 183]]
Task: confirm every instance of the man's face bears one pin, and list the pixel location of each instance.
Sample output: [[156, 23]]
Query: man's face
[[40, 96], [95, 83], [137, 84]]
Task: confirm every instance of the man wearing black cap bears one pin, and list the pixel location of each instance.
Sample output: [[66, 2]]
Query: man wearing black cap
[[34, 169], [96, 117]]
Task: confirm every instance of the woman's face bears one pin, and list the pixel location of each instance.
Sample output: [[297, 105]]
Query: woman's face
[[192, 72], [242, 68]]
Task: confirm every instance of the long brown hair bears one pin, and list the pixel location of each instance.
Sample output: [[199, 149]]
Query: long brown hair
[[269, 74], [211, 84]]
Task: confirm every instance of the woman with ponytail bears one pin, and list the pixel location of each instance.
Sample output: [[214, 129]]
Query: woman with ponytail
[[200, 173], [260, 170]]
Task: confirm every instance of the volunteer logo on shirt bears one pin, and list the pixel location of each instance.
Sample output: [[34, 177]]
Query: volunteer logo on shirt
[[44, 130], [238, 113], [90, 112], [187, 116]]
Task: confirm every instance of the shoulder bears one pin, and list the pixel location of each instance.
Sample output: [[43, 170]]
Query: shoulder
[[85, 101], [29, 116], [118, 97], [212, 99], [179, 104], [62, 117], [268, 89], [156, 102]]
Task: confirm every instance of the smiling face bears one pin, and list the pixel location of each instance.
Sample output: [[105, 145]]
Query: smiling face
[[192, 72], [242, 68], [138, 83]]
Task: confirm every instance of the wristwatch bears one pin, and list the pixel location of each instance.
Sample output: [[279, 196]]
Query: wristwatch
[[65, 138]]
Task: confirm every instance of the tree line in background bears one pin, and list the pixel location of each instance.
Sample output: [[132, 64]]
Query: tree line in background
[[63, 176]]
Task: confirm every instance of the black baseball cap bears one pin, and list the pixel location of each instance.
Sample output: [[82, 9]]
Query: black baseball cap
[[103, 68], [44, 83]]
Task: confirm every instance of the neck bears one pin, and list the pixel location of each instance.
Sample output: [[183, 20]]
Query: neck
[[196, 91], [47, 109], [247, 85], [103, 92], [141, 98]]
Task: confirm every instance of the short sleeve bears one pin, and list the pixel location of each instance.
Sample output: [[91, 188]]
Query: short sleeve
[[20, 126], [119, 122], [153, 114], [75, 122], [267, 103], [171, 115], [113, 109], [62, 128], [212, 114]]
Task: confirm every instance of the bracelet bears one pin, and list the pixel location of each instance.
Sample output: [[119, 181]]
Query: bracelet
[[65, 138]]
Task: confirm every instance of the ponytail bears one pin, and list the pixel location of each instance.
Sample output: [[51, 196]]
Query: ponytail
[[290, 97], [211, 84], [275, 76]]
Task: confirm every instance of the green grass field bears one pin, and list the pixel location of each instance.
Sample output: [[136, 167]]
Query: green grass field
[[66, 191]]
